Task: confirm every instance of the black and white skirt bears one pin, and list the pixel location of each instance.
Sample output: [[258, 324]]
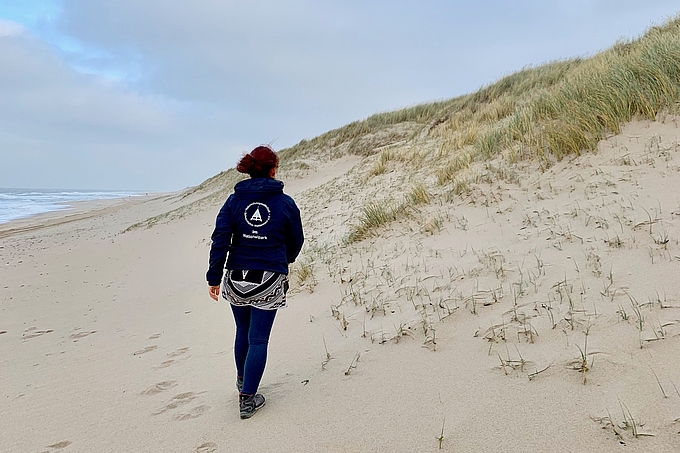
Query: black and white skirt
[[261, 289]]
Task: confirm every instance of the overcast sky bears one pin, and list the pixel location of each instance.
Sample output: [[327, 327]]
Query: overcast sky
[[162, 94]]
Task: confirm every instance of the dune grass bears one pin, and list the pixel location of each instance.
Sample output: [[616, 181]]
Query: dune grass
[[372, 217], [375, 215], [582, 101], [549, 111]]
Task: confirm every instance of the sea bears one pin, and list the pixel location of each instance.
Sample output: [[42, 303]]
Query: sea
[[21, 203]]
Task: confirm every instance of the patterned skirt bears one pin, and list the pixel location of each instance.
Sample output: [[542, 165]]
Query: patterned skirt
[[261, 289]]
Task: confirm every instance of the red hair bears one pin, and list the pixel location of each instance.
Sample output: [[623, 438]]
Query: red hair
[[259, 162]]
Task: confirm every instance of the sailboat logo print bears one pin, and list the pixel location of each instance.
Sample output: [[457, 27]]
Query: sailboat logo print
[[257, 214]]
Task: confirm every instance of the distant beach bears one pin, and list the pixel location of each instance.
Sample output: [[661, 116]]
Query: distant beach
[[21, 203]]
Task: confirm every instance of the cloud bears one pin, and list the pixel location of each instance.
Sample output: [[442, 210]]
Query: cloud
[[58, 125], [8, 28], [340, 61]]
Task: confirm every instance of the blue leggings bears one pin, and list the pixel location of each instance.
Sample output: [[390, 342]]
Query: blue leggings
[[253, 327]]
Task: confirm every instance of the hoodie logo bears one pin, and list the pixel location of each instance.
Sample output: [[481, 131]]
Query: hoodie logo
[[257, 214]]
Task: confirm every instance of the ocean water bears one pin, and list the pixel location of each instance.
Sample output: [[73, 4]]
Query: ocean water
[[20, 203]]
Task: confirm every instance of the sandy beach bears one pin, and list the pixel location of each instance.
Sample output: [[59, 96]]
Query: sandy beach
[[535, 313]]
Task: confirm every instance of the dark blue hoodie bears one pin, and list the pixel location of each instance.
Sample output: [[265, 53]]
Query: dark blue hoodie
[[259, 227]]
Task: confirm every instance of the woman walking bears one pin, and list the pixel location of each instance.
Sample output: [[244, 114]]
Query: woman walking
[[258, 232]]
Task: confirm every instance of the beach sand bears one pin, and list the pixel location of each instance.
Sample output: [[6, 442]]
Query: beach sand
[[461, 327]]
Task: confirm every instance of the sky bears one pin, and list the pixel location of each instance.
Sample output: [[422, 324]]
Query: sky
[[158, 95]]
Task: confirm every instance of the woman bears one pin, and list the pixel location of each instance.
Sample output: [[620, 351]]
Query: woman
[[258, 232]]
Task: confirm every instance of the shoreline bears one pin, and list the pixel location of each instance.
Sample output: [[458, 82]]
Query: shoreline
[[76, 210]]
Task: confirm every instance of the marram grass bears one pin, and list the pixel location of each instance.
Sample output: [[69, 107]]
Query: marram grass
[[372, 217], [634, 79]]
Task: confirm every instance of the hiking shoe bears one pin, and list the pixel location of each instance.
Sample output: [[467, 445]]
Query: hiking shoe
[[249, 404], [239, 383]]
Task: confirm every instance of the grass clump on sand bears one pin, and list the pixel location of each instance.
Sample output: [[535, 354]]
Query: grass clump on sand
[[372, 217], [375, 215]]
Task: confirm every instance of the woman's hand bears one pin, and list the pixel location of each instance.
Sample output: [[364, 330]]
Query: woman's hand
[[214, 292]]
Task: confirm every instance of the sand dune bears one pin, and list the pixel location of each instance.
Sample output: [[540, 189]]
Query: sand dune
[[538, 311]]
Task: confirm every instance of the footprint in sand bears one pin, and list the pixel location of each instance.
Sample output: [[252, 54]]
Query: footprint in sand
[[33, 332], [177, 401], [178, 352], [58, 446], [145, 350], [193, 413], [208, 447], [155, 336], [79, 335], [165, 364], [159, 387]]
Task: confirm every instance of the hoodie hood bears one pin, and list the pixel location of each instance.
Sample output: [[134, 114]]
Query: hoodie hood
[[268, 185]]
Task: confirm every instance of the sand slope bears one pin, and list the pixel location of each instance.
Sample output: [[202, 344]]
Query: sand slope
[[461, 326]]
